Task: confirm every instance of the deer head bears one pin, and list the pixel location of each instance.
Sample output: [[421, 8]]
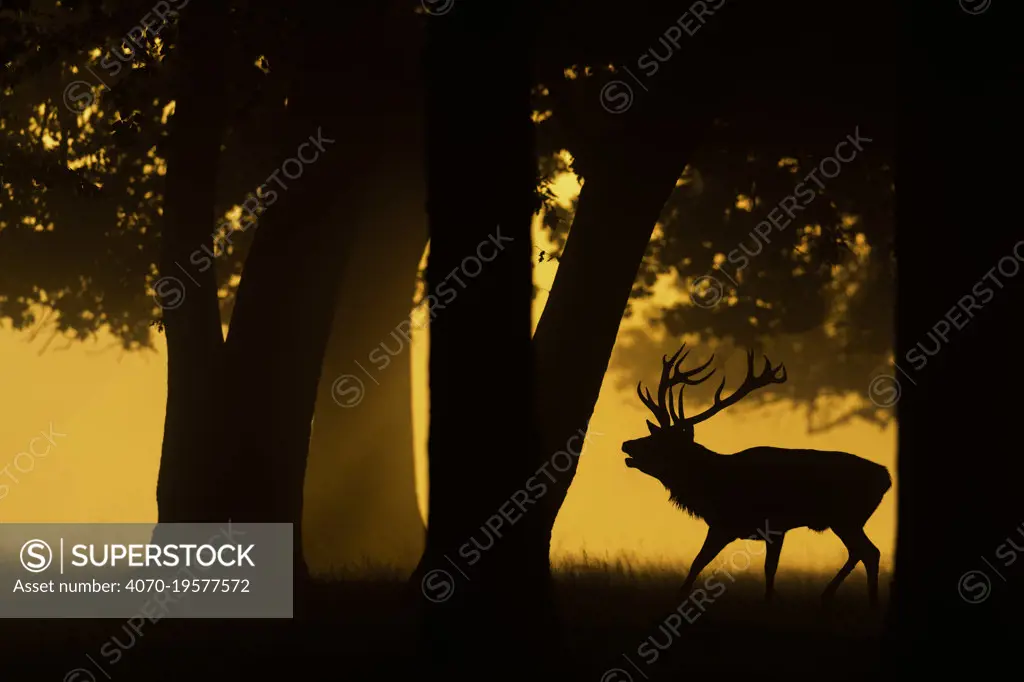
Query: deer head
[[659, 454]]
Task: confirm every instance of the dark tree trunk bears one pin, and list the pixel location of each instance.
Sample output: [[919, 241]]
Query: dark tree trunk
[[361, 487], [283, 315], [478, 98], [287, 298], [620, 202], [275, 347], [958, 584], [190, 310]]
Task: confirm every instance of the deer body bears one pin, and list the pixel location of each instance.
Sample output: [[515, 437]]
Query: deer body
[[758, 493], [788, 488]]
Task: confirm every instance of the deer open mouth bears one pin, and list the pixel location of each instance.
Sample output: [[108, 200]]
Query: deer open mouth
[[631, 463]]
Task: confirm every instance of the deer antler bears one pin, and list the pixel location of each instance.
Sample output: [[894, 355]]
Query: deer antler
[[672, 375], [769, 375]]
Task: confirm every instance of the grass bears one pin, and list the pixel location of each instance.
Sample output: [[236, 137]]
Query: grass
[[358, 627]]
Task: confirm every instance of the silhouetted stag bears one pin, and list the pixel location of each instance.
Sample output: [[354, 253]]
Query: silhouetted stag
[[759, 493]]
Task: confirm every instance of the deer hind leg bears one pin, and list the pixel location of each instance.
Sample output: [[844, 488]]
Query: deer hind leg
[[847, 568], [771, 565], [869, 555], [861, 549], [714, 543]]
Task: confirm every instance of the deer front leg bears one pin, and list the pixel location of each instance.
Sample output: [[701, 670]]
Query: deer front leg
[[771, 564], [714, 543]]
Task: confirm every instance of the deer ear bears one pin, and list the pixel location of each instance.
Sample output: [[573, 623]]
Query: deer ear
[[652, 428]]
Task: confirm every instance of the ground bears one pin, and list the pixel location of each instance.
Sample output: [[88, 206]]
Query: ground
[[359, 630]]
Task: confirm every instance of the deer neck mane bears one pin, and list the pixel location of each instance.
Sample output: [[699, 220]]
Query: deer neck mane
[[694, 485]]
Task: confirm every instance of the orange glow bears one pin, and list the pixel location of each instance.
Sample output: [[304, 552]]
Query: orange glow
[[110, 407]]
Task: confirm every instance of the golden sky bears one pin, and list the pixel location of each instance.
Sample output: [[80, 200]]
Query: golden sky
[[108, 405]]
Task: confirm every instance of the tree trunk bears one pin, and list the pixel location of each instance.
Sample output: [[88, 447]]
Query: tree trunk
[[620, 202], [287, 298], [280, 324], [361, 487], [958, 583], [484, 609], [189, 297]]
